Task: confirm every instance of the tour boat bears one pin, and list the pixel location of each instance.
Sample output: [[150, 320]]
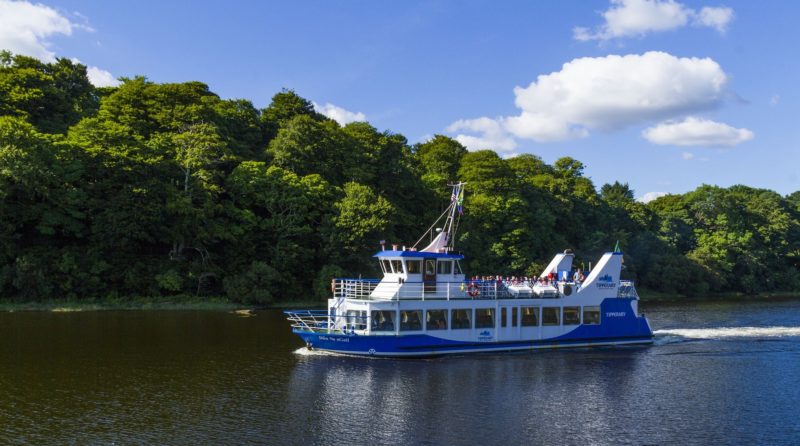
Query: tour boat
[[425, 306]]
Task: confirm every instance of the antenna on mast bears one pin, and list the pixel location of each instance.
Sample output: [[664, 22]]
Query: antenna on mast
[[444, 241]]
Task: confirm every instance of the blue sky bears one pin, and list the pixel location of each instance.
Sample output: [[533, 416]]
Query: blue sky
[[664, 95]]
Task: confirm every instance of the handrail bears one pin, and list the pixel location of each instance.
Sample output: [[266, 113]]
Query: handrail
[[374, 289]]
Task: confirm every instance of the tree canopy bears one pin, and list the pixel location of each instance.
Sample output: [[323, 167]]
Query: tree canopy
[[163, 189]]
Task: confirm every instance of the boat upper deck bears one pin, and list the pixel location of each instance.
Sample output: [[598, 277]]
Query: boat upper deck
[[375, 289]]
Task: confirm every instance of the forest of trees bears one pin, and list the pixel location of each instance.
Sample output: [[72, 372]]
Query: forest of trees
[[153, 189]]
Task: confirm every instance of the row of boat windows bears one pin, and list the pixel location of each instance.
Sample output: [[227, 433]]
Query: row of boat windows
[[464, 319], [431, 266]]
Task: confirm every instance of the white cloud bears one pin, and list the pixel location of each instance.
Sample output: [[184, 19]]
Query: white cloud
[[339, 114], [101, 78], [630, 18], [602, 93], [650, 196], [493, 135], [774, 100], [26, 27], [717, 18], [687, 155], [697, 132]]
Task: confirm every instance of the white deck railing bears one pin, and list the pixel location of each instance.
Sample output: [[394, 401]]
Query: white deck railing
[[374, 289]]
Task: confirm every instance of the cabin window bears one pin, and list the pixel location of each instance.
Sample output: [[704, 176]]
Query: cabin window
[[530, 316], [461, 319], [356, 319], [550, 315], [457, 268], [397, 266], [591, 315], [436, 320], [430, 267], [572, 315], [444, 267], [414, 266], [484, 318], [387, 266], [503, 314], [514, 316], [383, 320], [410, 320]]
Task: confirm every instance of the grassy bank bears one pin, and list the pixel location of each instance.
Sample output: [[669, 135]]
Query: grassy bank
[[183, 302], [650, 296], [223, 304]]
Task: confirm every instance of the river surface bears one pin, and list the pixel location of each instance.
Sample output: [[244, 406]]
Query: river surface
[[719, 373]]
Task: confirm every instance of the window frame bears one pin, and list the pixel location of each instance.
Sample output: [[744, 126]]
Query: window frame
[[592, 308], [553, 310], [535, 311], [407, 326], [418, 266], [391, 320], [444, 313], [468, 312], [577, 311], [492, 322]]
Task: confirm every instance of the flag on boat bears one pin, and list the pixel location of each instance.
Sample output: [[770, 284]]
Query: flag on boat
[[460, 202], [616, 247]]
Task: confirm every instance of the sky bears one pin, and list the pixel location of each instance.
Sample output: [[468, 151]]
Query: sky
[[665, 95]]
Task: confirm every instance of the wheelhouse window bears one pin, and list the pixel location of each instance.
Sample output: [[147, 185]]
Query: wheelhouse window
[[550, 315], [397, 266], [591, 315], [382, 320], [572, 315], [444, 267], [387, 266], [414, 266], [430, 267], [514, 317], [530, 316], [410, 320], [457, 269], [461, 319], [436, 319], [484, 318]]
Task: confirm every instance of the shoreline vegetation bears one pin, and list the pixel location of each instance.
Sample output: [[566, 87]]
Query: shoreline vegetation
[[168, 190], [194, 303]]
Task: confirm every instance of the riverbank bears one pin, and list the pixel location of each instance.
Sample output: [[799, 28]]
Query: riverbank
[[649, 296], [224, 304], [148, 303]]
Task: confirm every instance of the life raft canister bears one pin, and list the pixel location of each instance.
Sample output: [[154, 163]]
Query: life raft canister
[[567, 290]]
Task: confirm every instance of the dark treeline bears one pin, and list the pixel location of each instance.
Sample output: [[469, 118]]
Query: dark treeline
[[164, 189]]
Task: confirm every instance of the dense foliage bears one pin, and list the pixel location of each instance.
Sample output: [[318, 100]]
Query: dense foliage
[[162, 189]]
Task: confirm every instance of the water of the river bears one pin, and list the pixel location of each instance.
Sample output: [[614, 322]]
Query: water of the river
[[718, 374]]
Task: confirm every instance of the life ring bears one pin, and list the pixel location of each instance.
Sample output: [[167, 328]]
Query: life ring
[[473, 290]]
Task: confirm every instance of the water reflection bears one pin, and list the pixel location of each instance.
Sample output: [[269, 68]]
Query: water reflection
[[446, 400], [213, 378]]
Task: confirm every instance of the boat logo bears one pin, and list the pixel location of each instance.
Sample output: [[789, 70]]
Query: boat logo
[[485, 335], [605, 281]]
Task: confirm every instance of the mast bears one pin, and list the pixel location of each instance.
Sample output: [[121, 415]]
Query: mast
[[445, 241]]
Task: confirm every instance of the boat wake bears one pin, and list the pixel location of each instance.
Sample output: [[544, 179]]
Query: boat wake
[[304, 351], [669, 336]]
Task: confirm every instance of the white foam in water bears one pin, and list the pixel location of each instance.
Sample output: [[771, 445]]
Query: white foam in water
[[304, 351], [670, 335]]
